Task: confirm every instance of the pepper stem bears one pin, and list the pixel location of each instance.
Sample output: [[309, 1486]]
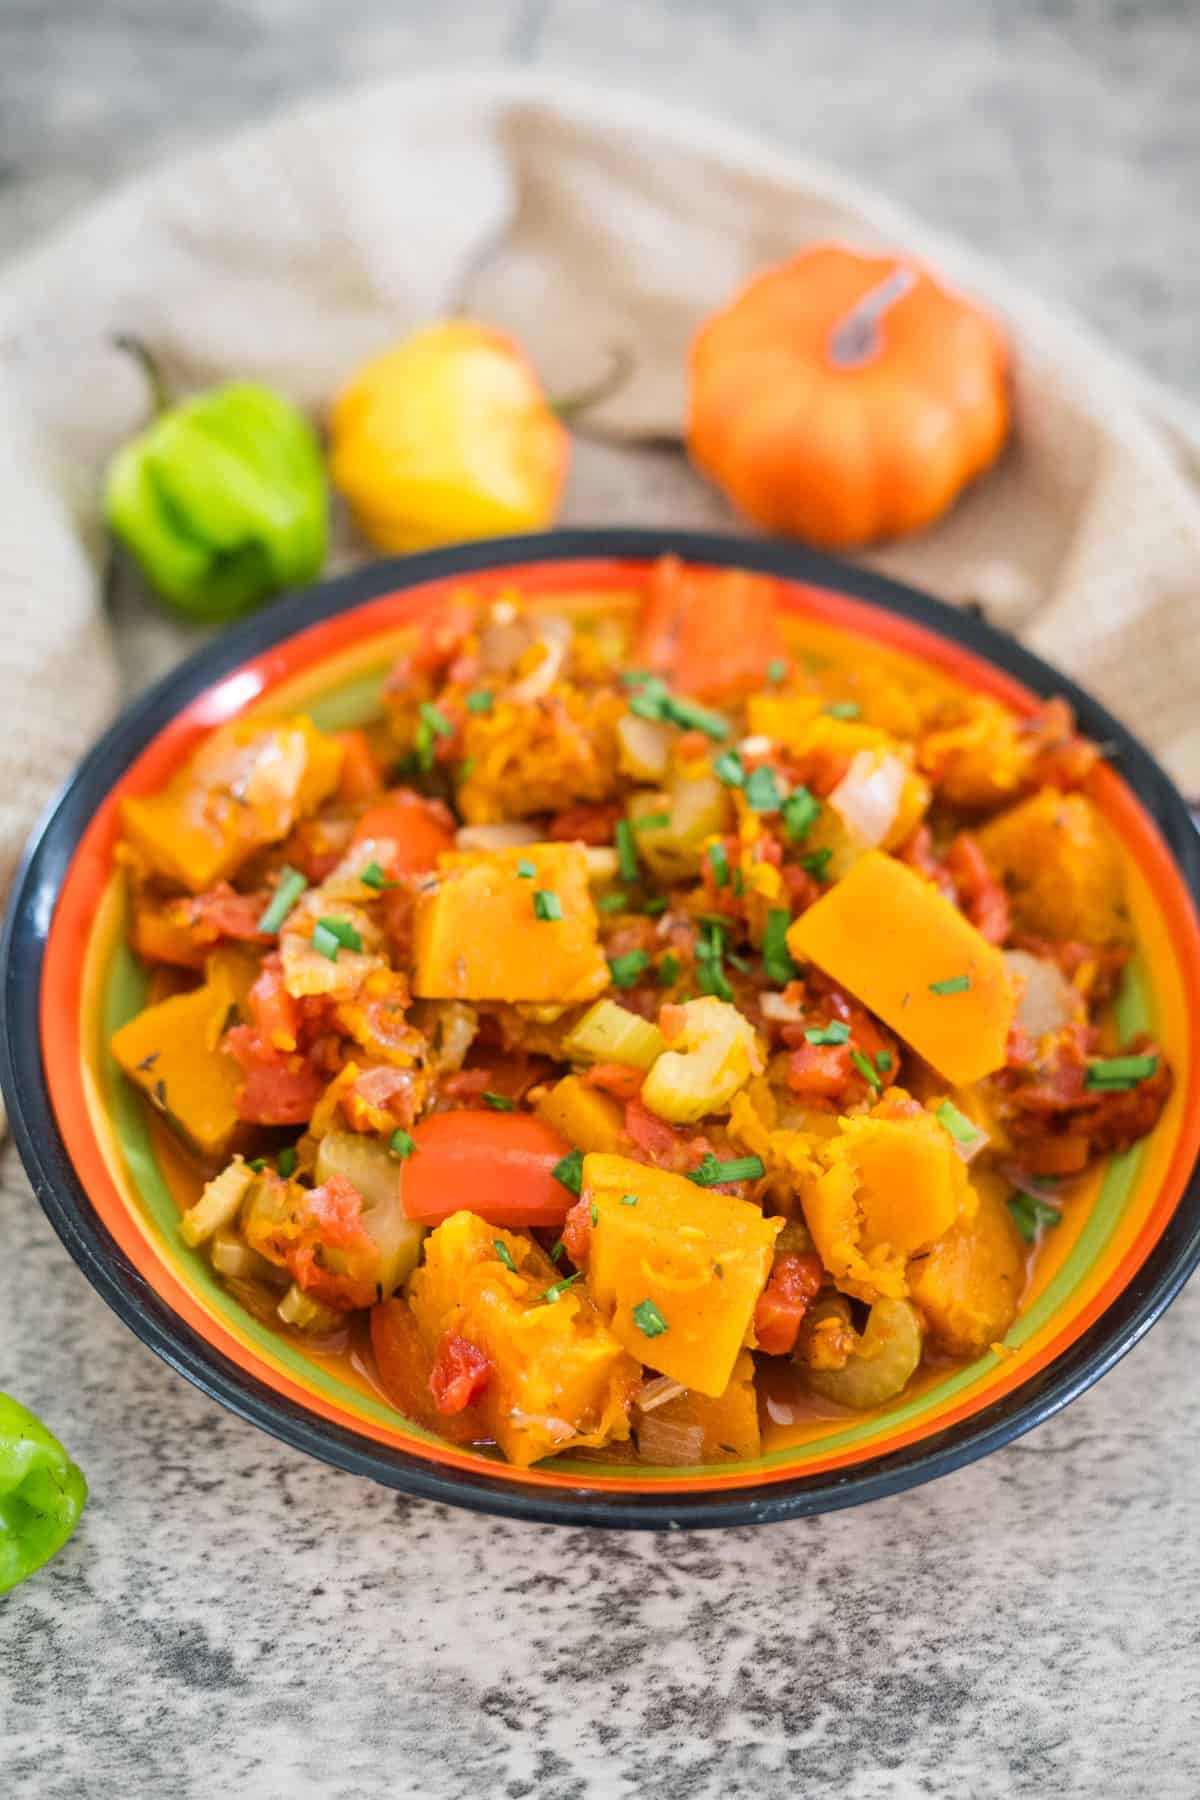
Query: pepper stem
[[160, 396], [581, 400]]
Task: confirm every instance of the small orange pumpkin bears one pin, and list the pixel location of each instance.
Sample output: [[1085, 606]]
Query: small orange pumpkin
[[842, 397]]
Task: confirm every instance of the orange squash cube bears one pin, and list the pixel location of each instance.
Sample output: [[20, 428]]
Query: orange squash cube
[[172, 1051]]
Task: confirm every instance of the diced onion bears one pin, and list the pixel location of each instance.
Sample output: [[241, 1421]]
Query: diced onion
[[970, 1150], [661, 1441], [779, 1412], [757, 745], [602, 863], [785, 1012], [508, 836], [554, 635], [238, 1262], [657, 1393], [645, 747], [1046, 1000], [868, 796]]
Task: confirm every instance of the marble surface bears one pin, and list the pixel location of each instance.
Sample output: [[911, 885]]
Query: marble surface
[[232, 1618]]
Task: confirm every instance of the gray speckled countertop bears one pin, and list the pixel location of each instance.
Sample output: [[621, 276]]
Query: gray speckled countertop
[[233, 1619]]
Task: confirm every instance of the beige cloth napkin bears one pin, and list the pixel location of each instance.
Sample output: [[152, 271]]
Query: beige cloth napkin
[[579, 221]]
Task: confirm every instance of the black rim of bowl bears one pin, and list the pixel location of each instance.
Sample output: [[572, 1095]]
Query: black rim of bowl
[[66, 1203]]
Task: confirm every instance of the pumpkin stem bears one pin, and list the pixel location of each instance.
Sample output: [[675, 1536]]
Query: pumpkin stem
[[160, 397], [855, 338], [568, 407]]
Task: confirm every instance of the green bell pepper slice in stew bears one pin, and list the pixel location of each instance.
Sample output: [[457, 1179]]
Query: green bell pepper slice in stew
[[222, 498], [42, 1494]]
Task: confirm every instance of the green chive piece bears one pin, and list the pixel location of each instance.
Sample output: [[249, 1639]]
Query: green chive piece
[[728, 768], [505, 1254], [648, 1319], [347, 935], [843, 709], [817, 862], [560, 1287], [712, 1172], [594, 1213], [288, 889], [739, 884], [629, 1199], [556, 1250], [957, 1123], [690, 717], [777, 961], [326, 942], [1119, 1071], [479, 702], [465, 767], [777, 670], [613, 903], [435, 718], [654, 906], [1030, 1215], [423, 745], [762, 791], [546, 904], [953, 984], [799, 810], [401, 1144], [258, 1165], [635, 677], [373, 877], [626, 851], [570, 1171], [865, 1070], [650, 699], [836, 1032], [285, 1162], [719, 864], [651, 821], [626, 969], [883, 1061], [499, 1102], [526, 869], [668, 970]]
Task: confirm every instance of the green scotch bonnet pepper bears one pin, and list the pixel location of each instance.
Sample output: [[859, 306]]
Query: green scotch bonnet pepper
[[222, 498], [42, 1494]]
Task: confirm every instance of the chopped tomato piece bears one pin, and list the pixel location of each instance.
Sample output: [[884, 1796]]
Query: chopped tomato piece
[[404, 1365], [497, 1164], [820, 1071], [709, 631], [617, 1079], [420, 829], [793, 1283], [577, 1232], [276, 1090], [275, 1012], [361, 778], [460, 1373], [980, 895], [587, 824]]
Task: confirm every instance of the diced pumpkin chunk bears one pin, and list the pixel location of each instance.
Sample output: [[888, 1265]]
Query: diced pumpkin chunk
[[969, 1284], [694, 1259], [172, 1051], [900, 947], [885, 1189], [588, 1119], [697, 1428], [244, 788], [478, 934], [1055, 855], [558, 1376]]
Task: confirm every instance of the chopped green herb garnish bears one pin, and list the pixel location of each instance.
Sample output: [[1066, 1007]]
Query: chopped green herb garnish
[[626, 969], [401, 1144], [650, 699], [709, 951], [883, 1061], [654, 906], [953, 984], [865, 1070], [560, 1287], [325, 942], [836, 1032], [423, 746], [556, 1250], [435, 718], [690, 717], [777, 961], [777, 669], [465, 767], [594, 1213], [546, 904], [526, 869], [800, 811], [762, 791], [957, 1123], [570, 1171], [816, 862], [739, 962], [713, 1173], [728, 768], [648, 1319], [346, 934], [258, 1165], [654, 700], [655, 821], [626, 852], [668, 970], [739, 883], [719, 863], [1117, 1072], [505, 1254], [499, 1102], [635, 677], [843, 709], [290, 886], [479, 702], [629, 1199], [285, 1162], [373, 877], [1029, 1215], [613, 903]]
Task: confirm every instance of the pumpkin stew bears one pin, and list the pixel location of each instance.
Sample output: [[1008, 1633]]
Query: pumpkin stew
[[653, 1022]]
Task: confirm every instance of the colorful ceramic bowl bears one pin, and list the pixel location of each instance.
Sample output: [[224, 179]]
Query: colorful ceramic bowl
[[93, 1161]]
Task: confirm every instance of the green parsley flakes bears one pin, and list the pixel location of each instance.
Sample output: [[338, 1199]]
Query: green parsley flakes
[[956, 1123], [285, 1162], [836, 1032], [560, 1287], [714, 1173], [953, 984], [816, 862], [629, 1199], [1031, 1215], [762, 791], [777, 961], [648, 1319], [480, 701], [865, 1069], [625, 970], [505, 1254], [626, 850], [570, 1171], [373, 877], [718, 862], [728, 768], [800, 811], [401, 1144], [843, 709], [499, 1102], [331, 935], [1117, 1073], [526, 869], [668, 970], [546, 904], [777, 670], [288, 889]]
